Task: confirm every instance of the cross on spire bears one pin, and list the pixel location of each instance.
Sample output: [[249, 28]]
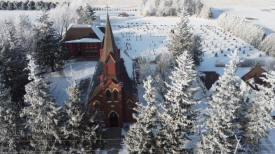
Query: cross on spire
[[107, 8]]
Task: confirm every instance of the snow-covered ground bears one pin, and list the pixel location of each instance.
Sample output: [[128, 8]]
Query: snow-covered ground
[[260, 12], [73, 71]]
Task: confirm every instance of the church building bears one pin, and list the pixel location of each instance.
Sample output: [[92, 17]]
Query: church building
[[113, 93]]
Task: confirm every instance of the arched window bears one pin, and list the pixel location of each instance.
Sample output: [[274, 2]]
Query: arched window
[[115, 95], [108, 95], [130, 104]]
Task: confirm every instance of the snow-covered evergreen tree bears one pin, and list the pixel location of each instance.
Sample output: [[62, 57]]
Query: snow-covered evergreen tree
[[179, 115], [23, 27], [181, 39], [13, 62], [80, 131], [142, 136], [221, 128], [41, 113], [9, 122], [86, 14], [47, 51], [267, 92], [257, 118], [164, 67]]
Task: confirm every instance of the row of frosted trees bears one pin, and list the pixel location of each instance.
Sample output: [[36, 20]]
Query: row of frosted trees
[[27, 5]]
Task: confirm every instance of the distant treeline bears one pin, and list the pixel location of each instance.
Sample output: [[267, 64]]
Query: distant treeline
[[115, 9], [27, 5]]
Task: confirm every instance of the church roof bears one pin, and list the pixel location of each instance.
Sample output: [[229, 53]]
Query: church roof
[[109, 42]]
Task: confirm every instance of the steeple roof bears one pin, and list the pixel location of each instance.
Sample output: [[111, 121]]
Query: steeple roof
[[109, 42]]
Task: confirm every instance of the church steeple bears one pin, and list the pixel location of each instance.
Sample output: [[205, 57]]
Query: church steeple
[[109, 42]]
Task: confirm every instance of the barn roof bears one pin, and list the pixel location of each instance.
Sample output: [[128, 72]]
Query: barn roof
[[77, 32], [257, 71], [253, 77]]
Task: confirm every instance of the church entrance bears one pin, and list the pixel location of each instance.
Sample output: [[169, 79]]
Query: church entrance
[[113, 118]]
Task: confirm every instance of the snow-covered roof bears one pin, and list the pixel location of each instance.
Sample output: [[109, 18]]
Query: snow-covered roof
[[79, 26], [84, 40], [98, 32], [82, 27]]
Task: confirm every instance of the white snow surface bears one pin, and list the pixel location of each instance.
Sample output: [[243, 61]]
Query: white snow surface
[[268, 144], [84, 40], [61, 80], [98, 32], [260, 12], [79, 26]]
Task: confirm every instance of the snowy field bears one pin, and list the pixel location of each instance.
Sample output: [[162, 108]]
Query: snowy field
[[147, 36], [260, 12]]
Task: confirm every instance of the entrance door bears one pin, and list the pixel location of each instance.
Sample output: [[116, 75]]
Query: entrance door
[[113, 119]]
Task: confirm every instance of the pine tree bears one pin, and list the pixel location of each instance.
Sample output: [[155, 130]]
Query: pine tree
[[181, 39], [9, 122], [142, 136], [86, 14], [23, 27], [257, 117], [81, 132], [221, 126], [47, 50], [41, 113], [179, 115], [12, 63]]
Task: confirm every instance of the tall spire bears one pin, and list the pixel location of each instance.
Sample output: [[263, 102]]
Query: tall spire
[[109, 43]]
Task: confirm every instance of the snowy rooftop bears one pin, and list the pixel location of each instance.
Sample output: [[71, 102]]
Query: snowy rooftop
[[84, 40], [79, 26], [98, 32], [94, 27]]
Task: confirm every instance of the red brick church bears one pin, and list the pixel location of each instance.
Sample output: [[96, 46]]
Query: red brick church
[[113, 93]]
